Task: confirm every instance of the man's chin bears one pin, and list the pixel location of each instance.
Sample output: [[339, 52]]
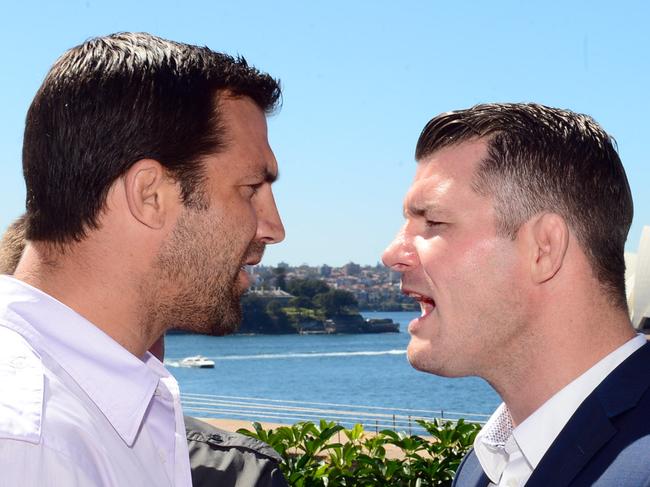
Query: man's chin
[[224, 320], [221, 329], [227, 322]]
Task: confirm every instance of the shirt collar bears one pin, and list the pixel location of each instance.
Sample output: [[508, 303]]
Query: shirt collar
[[489, 444], [120, 384]]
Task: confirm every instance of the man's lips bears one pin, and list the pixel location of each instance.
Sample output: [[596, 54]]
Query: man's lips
[[427, 304], [253, 254]]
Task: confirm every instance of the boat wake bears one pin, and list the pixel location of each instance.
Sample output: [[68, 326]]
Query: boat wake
[[279, 356]]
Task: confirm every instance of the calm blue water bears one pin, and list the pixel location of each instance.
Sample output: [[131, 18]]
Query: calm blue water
[[364, 370]]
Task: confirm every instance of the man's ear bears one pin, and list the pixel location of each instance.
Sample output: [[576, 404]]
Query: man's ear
[[147, 187], [549, 237]]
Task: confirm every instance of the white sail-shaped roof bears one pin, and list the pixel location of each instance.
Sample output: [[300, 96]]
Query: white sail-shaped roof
[[630, 268], [637, 280]]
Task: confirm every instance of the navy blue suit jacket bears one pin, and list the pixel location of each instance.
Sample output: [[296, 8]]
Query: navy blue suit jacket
[[606, 443]]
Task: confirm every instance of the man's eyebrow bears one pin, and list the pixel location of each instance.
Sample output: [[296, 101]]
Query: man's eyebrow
[[271, 177], [418, 209], [266, 176]]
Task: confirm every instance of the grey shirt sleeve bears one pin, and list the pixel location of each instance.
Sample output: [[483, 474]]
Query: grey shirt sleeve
[[222, 458]]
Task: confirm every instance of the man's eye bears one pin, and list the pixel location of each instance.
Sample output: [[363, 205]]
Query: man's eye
[[432, 223], [254, 188]]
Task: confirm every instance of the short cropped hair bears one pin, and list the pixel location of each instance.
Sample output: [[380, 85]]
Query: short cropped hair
[[114, 100], [543, 159], [12, 245]]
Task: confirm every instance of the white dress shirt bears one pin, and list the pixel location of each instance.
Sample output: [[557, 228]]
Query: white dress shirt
[[509, 455], [76, 408]]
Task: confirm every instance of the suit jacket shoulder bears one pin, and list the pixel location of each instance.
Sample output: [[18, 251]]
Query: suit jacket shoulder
[[604, 444], [607, 440]]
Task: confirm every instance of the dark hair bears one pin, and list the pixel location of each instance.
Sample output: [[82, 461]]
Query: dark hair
[[114, 100], [543, 159]]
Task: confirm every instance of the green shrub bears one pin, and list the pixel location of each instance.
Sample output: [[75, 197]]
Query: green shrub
[[329, 455]]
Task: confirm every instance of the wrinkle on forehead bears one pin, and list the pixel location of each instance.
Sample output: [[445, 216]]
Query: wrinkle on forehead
[[426, 195], [443, 177]]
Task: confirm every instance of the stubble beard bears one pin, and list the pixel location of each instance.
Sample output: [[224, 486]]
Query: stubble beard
[[194, 284]]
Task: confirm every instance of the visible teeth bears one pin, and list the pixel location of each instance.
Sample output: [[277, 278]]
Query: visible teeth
[[425, 308], [419, 297], [414, 295]]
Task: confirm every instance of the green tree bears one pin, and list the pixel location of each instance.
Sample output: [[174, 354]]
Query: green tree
[[255, 319], [262, 316], [274, 308], [301, 302], [336, 302], [281, 321], [280, 274], [307, 287]]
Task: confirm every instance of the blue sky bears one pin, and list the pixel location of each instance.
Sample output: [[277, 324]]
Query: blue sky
[[361, 78]]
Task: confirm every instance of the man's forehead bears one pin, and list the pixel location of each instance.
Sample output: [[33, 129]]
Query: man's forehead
[[459, 161], [427, 194], [240, 112], [442, 175], [245, 135]]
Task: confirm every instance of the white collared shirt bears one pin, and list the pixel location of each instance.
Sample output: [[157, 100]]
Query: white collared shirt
[[509, 455], [76, 408]]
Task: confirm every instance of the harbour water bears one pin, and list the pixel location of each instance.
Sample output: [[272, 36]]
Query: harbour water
[[366, 371]]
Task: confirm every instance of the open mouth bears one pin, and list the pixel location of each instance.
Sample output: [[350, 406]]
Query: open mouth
[[426, 303]]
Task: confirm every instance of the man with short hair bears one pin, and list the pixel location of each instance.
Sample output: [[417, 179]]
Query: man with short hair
[[148, 175], [513, 245], [217, 456]]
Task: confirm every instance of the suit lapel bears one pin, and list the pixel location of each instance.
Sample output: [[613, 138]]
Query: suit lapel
[[592, 424], [587, 431], [470, 473]]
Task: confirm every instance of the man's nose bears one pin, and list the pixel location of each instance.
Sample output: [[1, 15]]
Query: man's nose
[[400, 254], [270, 229]]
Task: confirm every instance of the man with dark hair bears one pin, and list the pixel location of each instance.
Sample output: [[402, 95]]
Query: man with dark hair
[[513, 245], [148, 175], [217, 457]]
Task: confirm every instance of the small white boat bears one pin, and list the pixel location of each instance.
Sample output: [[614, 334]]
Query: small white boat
[[198, 361]]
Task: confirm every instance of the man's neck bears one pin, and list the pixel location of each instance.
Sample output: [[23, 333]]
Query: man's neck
[[549, 363], [95, 291]]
